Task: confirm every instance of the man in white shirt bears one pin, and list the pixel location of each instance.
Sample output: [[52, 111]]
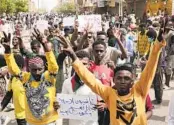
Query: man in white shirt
[[74, 85]]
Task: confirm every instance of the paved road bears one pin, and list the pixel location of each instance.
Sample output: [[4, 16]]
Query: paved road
[[159, 113]]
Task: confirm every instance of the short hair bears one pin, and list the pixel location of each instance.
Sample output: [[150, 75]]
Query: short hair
[[152, 34], [35, 42], [101, 33], [142, 25], [60, 22], [126, 66], [99, 42], [82, 54]]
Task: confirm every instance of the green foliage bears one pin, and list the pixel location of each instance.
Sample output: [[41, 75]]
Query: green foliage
[[3, 6], [68, 7], [21, 5], [12, 6]]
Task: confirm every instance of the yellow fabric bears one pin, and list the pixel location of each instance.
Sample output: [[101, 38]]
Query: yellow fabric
[[142, 44], [48, 115], [153, 7], [112, 3], [18, 97], [138, 91]]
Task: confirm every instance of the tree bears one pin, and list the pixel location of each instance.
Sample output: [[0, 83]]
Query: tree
[[7, 6], [2, 6], [21, 6], [68, 7], [12, 6]]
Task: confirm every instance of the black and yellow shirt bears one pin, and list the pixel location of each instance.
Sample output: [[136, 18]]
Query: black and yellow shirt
[[39, 95]]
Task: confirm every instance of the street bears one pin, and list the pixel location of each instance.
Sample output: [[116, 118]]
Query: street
[[159, 113]]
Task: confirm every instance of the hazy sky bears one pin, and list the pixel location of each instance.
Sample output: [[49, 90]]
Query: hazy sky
[[47, 4]]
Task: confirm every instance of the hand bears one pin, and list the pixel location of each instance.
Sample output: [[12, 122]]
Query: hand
[[101, 106], [39, 36], [116, 33], [63, 41], [110, 64], [6, 42], [56, 105], [88, 28], [70, 52]]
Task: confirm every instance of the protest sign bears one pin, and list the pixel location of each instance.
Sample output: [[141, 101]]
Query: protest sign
[[78, 107], [101, 3], [68, 21], [42, 25], [91, 21]]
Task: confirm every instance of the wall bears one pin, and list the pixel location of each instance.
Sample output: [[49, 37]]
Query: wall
[[140, 8]]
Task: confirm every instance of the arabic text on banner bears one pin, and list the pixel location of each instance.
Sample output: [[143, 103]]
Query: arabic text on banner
[[78, 107]]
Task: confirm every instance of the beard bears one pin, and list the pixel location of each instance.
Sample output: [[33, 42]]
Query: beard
[[36, 77]]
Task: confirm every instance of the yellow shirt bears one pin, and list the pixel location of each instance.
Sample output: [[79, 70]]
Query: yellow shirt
[[39, 97], [129, 109], [142, 44], [18, 97]]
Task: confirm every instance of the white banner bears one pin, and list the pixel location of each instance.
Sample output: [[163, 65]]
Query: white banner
[[100, 3], [79, 107], [42, 25], [93, 22], [68, 21]]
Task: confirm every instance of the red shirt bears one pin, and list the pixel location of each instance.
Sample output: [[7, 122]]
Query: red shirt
[[149, 105], [103, 73]]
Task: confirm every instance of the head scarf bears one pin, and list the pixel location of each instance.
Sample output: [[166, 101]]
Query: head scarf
[[35, 60]]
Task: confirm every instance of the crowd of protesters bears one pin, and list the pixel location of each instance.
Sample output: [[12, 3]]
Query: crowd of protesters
[[104, 63]]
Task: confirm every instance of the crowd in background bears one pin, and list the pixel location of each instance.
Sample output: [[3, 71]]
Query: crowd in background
[[124, 43]]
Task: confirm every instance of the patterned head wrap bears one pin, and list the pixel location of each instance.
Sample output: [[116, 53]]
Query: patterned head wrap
[[35, 60]]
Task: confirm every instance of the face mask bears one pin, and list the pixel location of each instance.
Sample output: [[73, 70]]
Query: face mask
[[150, 40]]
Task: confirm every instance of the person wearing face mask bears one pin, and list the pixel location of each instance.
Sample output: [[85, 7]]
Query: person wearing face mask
[[143, 44], [39, 84], [125, 100]]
